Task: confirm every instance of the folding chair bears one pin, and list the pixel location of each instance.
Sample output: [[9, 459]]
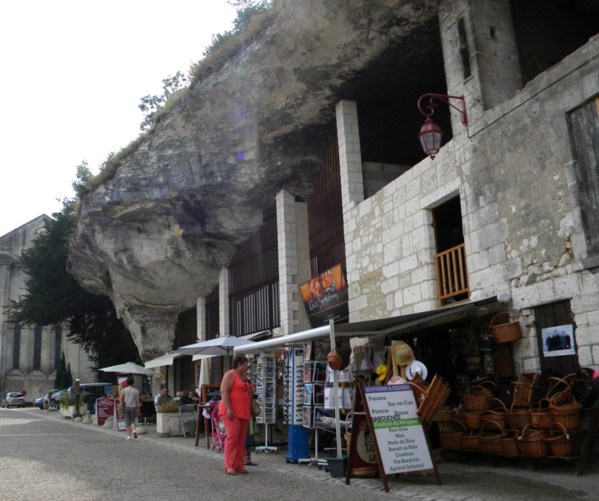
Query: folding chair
[[187, 414]]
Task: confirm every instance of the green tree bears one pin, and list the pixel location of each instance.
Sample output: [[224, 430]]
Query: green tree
[[151, 105], [61, 371], [54, 297]]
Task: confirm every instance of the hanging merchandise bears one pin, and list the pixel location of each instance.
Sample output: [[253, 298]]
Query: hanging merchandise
[[416, 368]]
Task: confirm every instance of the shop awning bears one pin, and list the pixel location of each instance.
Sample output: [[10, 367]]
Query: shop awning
[[162, 360], [380, 327]]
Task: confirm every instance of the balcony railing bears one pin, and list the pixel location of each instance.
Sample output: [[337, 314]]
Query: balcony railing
[[452, 274]]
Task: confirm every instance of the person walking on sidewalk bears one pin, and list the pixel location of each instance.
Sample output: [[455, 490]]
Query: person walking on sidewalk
[[130, 399], [235, 410]]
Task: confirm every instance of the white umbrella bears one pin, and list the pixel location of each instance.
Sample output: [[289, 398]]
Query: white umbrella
[[222, 346], [128, 368]]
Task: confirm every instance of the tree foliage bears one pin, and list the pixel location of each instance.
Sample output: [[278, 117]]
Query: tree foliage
[[151, 105], [54, 297]]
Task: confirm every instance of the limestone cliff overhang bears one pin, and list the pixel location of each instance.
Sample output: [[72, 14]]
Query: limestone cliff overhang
[[155, 236]]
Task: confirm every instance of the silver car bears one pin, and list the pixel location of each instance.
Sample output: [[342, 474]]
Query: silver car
[[13, 399]]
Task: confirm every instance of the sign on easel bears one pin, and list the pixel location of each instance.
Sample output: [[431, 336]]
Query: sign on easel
[[400, 441], [399, 433]]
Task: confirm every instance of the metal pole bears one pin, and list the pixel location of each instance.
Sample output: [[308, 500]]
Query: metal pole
[[335, 394]]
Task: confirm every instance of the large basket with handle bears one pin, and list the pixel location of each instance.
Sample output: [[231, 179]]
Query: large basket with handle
[[505, 332], [518, 417], [566, 413], [477, 398], [531, 442], [559, 441], [490, 437], [450, 434]]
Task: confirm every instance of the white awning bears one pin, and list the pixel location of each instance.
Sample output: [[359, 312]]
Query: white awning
[[380, 327], [162, 360]]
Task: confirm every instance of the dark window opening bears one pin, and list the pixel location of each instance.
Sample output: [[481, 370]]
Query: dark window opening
[[212, 314], [584, 134], [463, 48], [57, 346], [325, 214], [16, 350], [37, 348], [450, 260], [254, 280]]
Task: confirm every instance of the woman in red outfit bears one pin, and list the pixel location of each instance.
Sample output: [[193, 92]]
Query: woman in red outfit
[[236, 410]]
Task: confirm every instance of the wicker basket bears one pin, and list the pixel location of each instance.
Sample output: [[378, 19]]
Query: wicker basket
[[566, 414], [472, 420], [494, 414], [531, 442], [470, 441], [524, 389], [507, 332], [477, 399], [540, 417], [490, 437], [450, 434], [559, 441], [518, 418], [509, 444]]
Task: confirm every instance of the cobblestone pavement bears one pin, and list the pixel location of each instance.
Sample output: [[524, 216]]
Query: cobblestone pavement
[[467, 478]]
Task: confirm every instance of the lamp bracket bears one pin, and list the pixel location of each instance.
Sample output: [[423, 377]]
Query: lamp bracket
[[432, 104]]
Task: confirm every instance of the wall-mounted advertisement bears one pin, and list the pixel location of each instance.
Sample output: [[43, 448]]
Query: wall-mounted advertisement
[[558, 341], [325, 296]]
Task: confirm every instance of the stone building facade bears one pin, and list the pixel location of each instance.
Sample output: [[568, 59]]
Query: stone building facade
[[502, 219], [29, 355]]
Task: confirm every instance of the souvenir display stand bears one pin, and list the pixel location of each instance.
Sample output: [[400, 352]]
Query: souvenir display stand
[[313, 402], [293, 384], [266, 386]]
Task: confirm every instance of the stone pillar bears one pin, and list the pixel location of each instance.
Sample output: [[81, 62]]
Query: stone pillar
[[479, 35], [201, 317], [350, 155], [223, 303], [294, 261]]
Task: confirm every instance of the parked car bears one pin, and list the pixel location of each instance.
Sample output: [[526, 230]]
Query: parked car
[[90, 392], [39, 402], [55, 397], [14, 399]]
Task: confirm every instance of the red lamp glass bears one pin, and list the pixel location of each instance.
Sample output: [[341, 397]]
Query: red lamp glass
[[430, 137]]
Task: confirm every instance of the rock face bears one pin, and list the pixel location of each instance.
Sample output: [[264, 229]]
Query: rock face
[[155, 236]]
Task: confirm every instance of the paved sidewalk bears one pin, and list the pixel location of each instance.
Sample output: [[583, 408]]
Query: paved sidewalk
[[468, 478]]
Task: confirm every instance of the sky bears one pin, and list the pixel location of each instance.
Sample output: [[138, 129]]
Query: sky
[[72, 74]]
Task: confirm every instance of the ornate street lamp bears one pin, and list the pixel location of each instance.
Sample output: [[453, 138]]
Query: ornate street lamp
[[430, 133]]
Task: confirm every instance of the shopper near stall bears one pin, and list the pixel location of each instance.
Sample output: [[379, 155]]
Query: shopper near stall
[[130, 398], [235, 411]]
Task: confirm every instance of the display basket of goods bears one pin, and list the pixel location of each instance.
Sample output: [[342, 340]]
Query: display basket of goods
[[524, 389], [490, 436], [470, 441], [509, 444], [505, 332], [540, 417], [495, 412], [472, 419], [434, 399], [419, 387], [450, 434], [531, 442], [559, 441], [477, 398], [559, 389], [518, 417], [566, 413]]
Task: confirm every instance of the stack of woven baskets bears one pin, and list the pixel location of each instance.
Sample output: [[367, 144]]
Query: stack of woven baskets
[[531, 427]]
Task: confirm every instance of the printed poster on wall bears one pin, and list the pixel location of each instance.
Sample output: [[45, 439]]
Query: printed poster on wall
[[399, 433], [325, 296], [558, 341]]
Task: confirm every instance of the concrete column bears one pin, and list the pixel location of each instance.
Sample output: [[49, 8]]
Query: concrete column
[[223, 303], [201, 317], [294, 261], [350, 155]]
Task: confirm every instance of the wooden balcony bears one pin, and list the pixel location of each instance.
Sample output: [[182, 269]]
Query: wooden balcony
[[452, 274]]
